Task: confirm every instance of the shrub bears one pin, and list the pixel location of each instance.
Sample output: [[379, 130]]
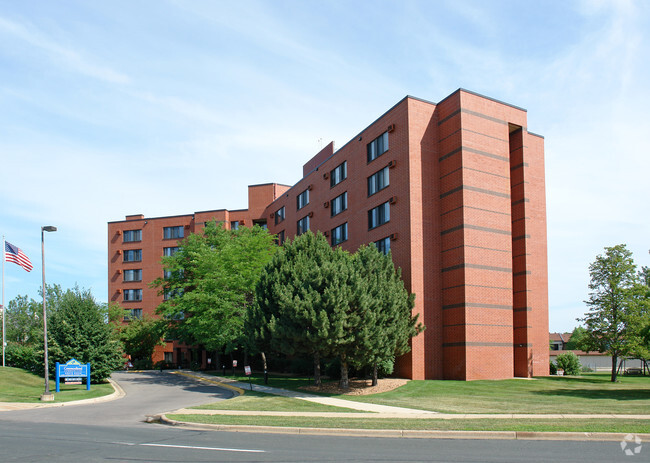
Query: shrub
[[25, 357], [569, 362], [553, 368], [142, 364]]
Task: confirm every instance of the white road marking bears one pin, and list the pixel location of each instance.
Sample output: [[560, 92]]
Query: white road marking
[[193, 447]]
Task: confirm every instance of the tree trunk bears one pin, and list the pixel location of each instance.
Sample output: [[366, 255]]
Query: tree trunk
[[317, 379], [266, 374], [614, 371], [374, 374], [344, 383]]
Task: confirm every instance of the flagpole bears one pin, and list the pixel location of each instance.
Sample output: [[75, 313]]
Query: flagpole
[[3, 300]]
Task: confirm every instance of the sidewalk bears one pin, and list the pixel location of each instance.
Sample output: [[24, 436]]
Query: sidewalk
[[364, 407]]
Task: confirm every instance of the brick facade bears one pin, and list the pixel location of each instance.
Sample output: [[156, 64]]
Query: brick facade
[[465, 204]]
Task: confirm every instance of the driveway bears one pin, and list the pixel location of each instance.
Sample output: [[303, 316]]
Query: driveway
[[147, 393]]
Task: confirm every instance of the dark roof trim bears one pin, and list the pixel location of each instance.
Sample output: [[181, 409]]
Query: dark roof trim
[[267, 184], [483, 96]]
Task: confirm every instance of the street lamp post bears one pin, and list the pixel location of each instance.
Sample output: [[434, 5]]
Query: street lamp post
[[47, 395]]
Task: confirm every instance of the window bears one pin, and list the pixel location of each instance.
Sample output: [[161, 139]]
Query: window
[[169, 357], [132, 314], [303, 225], [340, 234], [383, 245], [378, 146], [132, 295], [338, 174], [133, 275], [234, 225], [379, 215], [279, 215], [132, 235], [133, 255], [171, 233], [378, 181], [261, 223], [167, 274], [172, 293], [303, 199], [339, 204], [280, 238], [168, 252]]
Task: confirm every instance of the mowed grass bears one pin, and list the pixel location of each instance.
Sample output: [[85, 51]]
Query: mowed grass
[[592, 393], [259, 401], [17, 385], [589, 394], [537, 425]]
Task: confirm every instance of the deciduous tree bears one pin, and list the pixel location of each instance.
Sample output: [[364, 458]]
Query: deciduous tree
[[613, 322], [210, 282]]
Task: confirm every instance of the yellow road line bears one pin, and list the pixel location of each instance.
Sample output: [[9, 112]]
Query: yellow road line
[[238, 390]]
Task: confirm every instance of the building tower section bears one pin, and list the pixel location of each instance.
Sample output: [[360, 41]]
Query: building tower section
[[455, 191]]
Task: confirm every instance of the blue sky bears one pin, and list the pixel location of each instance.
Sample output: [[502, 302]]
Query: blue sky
[[169, 107]]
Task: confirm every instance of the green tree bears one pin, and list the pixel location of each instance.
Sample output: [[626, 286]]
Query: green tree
[[24, 320], [210, 283], [140, 337], [390, 321], [78, 328], [324, 302], [613, 322], [577, 340], [569, 362], [293, 301]]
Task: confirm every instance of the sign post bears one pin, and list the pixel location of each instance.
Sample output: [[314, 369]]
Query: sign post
[[247, 370], [74, 370]]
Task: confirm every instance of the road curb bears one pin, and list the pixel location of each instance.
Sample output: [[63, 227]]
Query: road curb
[[405, 433], [117, 393]]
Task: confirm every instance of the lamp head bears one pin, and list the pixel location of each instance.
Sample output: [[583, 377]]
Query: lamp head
[[48, 228]]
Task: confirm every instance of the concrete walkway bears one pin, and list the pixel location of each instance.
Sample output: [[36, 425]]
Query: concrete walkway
[[364, 407]]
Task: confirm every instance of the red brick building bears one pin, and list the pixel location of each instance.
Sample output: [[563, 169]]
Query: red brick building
[[137, 244], [456, 191]]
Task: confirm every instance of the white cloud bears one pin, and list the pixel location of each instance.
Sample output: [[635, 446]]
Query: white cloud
[[60, 55]]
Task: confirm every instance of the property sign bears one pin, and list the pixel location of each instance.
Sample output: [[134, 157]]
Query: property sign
[[73, 372], [247, 370]]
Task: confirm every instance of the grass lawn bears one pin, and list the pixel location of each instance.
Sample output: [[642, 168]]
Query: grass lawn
[[623, 426], [17, 385], [259, 401], [591, 393]]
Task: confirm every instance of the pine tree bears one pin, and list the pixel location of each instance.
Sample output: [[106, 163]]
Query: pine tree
[[78, 328], [388, 321], [292, 314]]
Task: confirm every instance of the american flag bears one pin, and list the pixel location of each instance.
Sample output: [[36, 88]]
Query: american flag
[[15, 255]]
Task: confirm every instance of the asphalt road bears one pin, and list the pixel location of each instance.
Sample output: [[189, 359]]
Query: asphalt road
[[116, 432]]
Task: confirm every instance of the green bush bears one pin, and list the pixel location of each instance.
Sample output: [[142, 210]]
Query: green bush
[[25, 357], [142, 364], [553, 368], [569, 362]]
